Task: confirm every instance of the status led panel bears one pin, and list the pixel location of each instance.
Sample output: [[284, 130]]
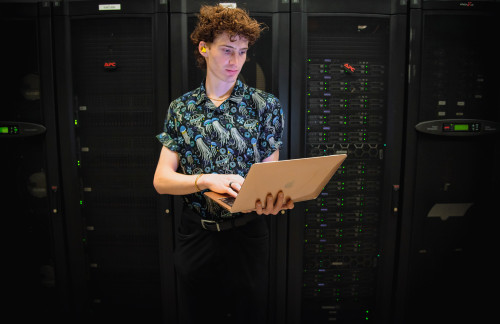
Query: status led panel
[[346, 86]]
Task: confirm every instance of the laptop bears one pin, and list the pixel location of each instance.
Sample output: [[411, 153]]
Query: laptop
[[299, 179]]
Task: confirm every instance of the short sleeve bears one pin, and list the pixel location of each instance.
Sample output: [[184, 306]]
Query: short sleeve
[[168, 137], [272, 120]]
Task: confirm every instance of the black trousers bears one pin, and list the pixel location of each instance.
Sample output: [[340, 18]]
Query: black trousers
[[222, 276]]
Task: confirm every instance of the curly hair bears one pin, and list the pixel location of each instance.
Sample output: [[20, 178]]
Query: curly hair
[[215, 20]]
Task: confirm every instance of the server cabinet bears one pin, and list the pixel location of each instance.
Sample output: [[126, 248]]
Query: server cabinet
[[452, 157], [267, 68], [347, 72], [34, 264], [112, 77]]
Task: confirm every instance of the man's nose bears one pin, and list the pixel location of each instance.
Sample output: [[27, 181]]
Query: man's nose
[[235, 58]]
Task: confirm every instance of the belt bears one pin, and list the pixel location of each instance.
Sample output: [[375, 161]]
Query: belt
[[222, 225]]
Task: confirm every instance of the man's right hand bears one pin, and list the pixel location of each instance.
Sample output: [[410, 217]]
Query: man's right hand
[[221, 183]]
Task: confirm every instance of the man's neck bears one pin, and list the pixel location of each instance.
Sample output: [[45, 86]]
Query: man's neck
[[218, 89]]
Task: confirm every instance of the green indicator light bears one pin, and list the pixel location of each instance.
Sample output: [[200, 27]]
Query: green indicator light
[[76, 122], [4, 130], [461, 127]]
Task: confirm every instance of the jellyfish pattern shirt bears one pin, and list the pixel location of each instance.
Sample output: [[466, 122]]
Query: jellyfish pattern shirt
[[245, 129]]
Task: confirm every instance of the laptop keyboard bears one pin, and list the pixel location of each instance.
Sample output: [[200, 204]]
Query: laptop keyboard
[[228, 200]]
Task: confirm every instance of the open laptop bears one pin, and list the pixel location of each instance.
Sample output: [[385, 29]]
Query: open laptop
[[299, 179]]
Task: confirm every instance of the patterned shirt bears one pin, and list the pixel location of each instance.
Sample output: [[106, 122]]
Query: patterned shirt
[[246, 128]]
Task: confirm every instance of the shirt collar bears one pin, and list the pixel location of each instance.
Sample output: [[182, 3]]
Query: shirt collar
[[236, 95]]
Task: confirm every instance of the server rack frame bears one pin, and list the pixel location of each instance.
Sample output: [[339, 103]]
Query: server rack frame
[[53, 155], [411, 229], [41, 15], [395, 12], [75, 227]]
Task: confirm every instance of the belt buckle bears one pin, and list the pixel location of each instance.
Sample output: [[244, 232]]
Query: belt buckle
[[207, 221]]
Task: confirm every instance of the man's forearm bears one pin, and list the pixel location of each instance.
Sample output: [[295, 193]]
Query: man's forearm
[[174, 183]]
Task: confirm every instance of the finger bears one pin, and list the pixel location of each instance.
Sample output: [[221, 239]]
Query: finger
[[279, 203], [236, 186], [269, 205], [288, 205], [258, 207], [231, 192], [235, 182], [239, 179]]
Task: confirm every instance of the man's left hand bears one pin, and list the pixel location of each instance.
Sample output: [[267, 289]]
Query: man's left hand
[[273, 206]]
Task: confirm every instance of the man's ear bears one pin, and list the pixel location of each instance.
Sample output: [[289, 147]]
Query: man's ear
[[202, 47]]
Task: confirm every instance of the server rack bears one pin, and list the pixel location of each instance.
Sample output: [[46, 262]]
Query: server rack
[[112, 77], [348, 65], [267, 68], [452, 156], [35, 266]]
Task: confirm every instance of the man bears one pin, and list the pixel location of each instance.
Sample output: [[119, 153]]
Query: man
[[212, 136]]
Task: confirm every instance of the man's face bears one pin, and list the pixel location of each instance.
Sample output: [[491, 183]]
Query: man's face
[[225, 58]]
